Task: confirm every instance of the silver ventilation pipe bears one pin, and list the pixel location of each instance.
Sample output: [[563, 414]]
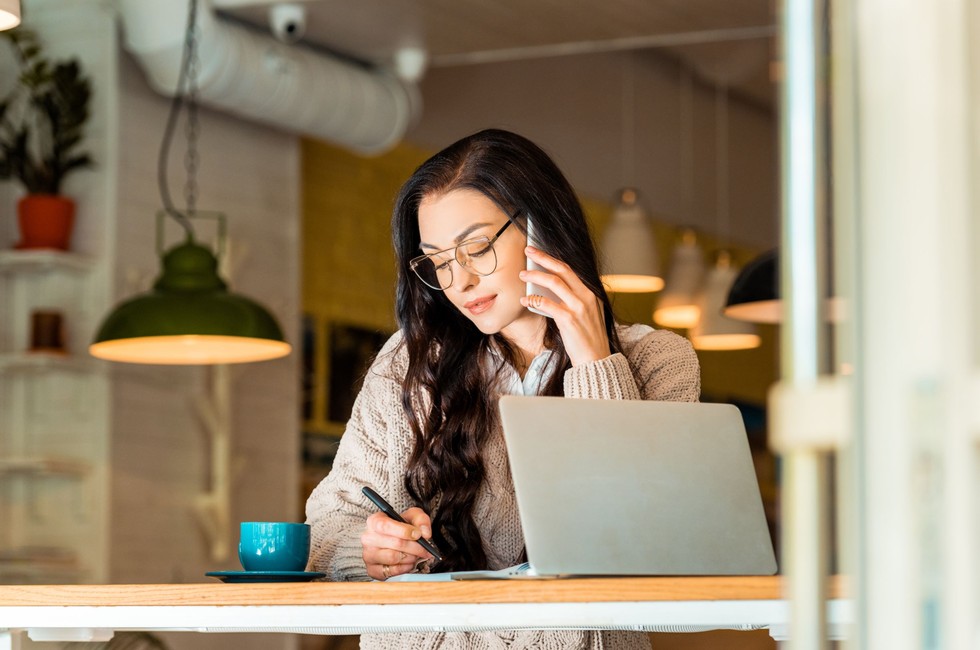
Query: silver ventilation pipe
[[257, 77]]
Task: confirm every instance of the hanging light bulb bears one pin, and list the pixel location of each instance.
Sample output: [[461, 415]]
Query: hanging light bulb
[[9, 14], [713, 330], [678, 306], [628, 249], [189, 317]]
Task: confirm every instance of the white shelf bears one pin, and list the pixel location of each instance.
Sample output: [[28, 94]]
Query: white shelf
[[43, 259], [43, 466], [43, 361]]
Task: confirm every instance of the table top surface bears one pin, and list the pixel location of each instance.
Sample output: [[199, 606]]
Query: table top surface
[[570, 590]]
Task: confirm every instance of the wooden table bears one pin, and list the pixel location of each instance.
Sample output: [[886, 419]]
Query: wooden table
[[95, 612]]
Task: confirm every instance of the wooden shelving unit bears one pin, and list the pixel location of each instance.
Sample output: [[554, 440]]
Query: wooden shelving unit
[[52, 465]]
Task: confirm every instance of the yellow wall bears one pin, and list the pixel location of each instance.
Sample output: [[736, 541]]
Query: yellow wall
[[348, 262]]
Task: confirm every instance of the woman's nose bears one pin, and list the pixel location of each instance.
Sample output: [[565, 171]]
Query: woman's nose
[[464, 278]]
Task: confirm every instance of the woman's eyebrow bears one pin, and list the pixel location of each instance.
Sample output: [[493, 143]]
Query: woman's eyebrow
[[461, 237]]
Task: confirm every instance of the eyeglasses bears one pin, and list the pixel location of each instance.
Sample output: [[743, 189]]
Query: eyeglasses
[[475, 255]]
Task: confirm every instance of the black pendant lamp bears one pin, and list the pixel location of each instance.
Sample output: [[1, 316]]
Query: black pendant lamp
[[189, 317], [754, 295]]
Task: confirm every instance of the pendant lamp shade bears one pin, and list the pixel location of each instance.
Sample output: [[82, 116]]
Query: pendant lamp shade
[[678, 306], [754, 296], [189, 317], [713, 330], [9, 14], [628, 249]]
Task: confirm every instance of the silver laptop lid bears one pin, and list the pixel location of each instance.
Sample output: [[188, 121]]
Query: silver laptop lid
[[613, 487]]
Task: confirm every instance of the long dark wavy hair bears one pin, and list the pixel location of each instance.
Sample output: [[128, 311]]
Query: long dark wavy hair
[[450, 372]]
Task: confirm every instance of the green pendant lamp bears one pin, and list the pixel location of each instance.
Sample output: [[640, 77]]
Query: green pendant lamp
[[189, 317], [9, 14]]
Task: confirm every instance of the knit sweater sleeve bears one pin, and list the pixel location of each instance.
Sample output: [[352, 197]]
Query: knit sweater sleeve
[[370, 453], [654, 365]]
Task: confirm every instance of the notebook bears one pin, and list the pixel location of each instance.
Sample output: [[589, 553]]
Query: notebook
[[614, 487]]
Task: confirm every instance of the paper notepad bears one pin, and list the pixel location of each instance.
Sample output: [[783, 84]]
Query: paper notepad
[[517, 571]]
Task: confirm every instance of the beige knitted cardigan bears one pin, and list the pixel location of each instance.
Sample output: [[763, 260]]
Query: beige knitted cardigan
[[655, 365]]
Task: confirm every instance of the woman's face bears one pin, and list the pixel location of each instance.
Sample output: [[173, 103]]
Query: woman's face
[[491, 302]]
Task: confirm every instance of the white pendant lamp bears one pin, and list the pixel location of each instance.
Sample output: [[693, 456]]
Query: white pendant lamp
[[713, 330], [629, 257], [628, 250], [9, 14], [678, 305]]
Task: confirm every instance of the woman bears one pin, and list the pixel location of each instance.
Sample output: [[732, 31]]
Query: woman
[[425, 431]]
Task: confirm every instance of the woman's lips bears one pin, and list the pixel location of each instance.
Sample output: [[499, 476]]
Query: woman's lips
[[480, 305]]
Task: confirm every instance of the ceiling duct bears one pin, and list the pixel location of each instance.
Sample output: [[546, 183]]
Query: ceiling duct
[[292, 88]]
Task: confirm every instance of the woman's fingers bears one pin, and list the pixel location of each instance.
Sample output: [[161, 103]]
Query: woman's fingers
[[385, 571], [559, 274], [579, 316], [418, 518], [391, 547]]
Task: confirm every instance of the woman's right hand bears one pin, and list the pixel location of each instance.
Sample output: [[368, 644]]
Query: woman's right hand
[[391, 548]]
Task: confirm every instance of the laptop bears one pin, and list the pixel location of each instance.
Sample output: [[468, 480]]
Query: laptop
[[614, 487]]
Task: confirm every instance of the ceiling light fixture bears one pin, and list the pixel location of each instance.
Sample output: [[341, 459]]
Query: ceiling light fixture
[[678, 304], [754, 296], [9, 14], [713, 330], [629, 253], [189, 317], [629, 250]]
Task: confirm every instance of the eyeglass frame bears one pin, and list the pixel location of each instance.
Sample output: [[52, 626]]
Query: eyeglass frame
[[415, 261]]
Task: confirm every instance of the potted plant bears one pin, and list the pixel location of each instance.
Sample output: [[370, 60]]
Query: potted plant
[[41, 126]]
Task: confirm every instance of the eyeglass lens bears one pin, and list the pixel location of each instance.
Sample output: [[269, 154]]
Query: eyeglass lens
[[478, 257]]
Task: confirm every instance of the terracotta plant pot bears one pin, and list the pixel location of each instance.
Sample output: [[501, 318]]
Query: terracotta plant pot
[[45, 221]]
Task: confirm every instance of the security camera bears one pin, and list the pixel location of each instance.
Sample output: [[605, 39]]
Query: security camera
[[288, 21]]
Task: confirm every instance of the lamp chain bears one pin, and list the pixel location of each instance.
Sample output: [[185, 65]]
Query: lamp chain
[[188, 73], [192, 128], [687, 142], [721, 163], [629, 122]]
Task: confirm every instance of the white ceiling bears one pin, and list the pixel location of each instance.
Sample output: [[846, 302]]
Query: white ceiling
[[727, 42]]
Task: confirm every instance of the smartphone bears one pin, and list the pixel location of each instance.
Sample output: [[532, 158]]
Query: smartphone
[[533, 289]]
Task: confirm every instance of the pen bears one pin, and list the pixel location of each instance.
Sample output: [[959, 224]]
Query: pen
[[386, 508]]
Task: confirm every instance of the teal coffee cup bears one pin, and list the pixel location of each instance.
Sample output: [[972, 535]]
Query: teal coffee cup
[[274, 546]]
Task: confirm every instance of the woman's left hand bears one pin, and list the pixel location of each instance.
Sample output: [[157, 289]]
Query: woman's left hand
[[579, 315]]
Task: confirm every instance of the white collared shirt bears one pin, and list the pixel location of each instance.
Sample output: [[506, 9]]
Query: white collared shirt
[[538, 374]]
